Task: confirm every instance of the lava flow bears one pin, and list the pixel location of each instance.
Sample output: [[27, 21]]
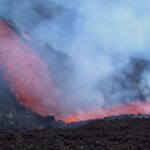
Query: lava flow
[[28, 77], [26, 73], [135, 108]]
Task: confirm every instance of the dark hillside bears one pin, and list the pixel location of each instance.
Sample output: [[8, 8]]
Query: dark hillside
[[118, 134]]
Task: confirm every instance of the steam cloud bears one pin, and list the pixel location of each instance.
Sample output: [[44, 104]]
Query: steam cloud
[[99, 36]]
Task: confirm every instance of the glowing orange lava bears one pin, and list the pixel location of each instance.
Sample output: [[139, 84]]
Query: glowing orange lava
[[29, 79], [26, 73], [136, 108]]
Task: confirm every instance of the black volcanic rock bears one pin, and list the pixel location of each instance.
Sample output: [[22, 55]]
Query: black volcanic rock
[[119, 134]]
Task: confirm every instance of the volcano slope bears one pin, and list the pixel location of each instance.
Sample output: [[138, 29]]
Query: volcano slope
[[106, 134], [14, 116]]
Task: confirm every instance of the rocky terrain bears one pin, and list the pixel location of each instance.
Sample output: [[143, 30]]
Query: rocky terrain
[[107, 134]]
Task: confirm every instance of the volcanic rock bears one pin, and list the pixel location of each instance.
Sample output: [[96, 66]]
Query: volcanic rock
[[118, 134]]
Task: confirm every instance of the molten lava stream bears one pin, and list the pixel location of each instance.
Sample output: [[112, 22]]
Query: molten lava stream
[[136, 108], [26, 73]]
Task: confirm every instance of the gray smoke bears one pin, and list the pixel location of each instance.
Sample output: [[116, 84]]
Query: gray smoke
[[99, 36]]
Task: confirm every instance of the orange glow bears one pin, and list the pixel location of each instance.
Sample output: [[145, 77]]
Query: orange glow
[[29, 79], [136, 108], [26, 73]]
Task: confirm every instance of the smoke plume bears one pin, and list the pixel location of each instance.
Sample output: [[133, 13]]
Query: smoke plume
[[100, 38]]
